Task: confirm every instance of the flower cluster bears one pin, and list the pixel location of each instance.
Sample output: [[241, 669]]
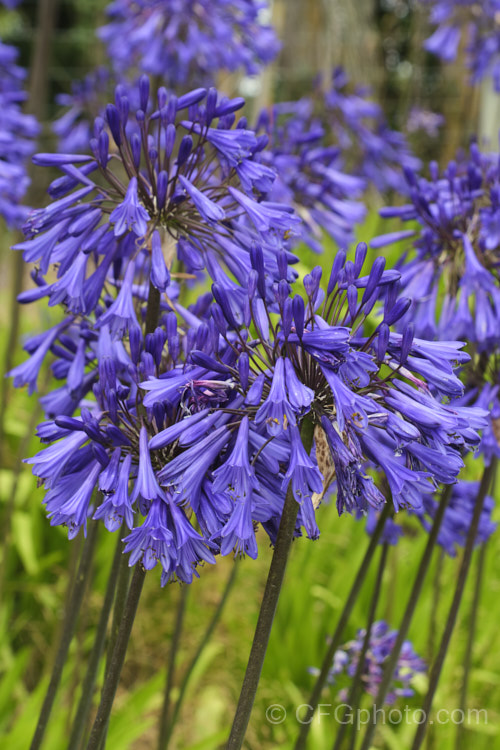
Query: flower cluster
[[456, 520], [73, 127], [177, 183], [188, 40], [358, 125], [18, 132], [310, 174], [455, 248], [373, 396], [380, 645], [452, 274], [203, 420], [481, 25], [120, 444]]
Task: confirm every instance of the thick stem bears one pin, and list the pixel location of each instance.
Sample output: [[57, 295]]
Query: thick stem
[[436, 597], [471, 635], [355, 689], [408, 614], [174, 646], [268, 607], [70, 618], [153, 308], [118, 609], [206, 637], [488, 475], [85, 703], [342, 622], [117, 659]]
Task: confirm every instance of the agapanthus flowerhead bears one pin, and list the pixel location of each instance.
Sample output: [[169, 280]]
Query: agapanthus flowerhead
[[18, 133], [147, 436], [162, 185], [81, 106], [380, 645], [454, 252], [374, 397], [311, 174], [478, 23], [100, 464], [356, 123], [456, 521], [188, 40]]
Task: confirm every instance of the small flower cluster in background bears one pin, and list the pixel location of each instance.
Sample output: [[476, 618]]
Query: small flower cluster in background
[[188, 40], [380, 645], [451, 268], [18, 133], [456, 520], [478, 23]]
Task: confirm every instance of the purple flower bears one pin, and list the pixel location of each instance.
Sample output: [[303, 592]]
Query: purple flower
[[121, 315], [130, 215], [68, 502], [236, 477], [276, 411], [306, 480], [117, 505], [179, 193]]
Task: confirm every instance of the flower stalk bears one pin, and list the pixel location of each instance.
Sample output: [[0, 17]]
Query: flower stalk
[[355, 689], [409, 612], [268, 607], [342, 622], [88, 684], [68, 628], [486, 481], [117, 660]]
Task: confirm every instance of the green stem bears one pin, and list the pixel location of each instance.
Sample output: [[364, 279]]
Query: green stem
[[117, 660], [436, 597], [356, 684], [118, 609], [431, 642], [486, 481], [69, 622], [268, 607], [85, 703], [471, 633], [206, 637], [342, 622], [179, 620], [408, 614]]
